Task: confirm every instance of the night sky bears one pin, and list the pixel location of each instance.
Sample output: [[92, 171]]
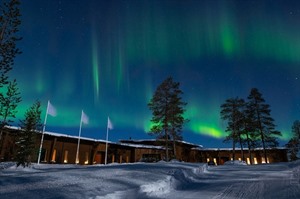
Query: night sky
[[108, 57]]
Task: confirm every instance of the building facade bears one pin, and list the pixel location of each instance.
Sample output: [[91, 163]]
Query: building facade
[[62, 149]]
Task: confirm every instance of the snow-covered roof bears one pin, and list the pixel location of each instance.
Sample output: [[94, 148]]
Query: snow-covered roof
[[65, 135], [142, 146], [154, 140], [230, 149]]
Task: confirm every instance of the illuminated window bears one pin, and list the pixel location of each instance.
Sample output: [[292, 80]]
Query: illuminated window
[[53, 156], [255, 160], [240, 159], [215, 160], [207, 159], [263, 160], [231, 159], [248, 160], [86, 158], [66, 156]]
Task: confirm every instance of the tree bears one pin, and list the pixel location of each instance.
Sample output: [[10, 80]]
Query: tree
[[293, 145], [9, 23], [296, 129], [232, 111], [8, 105], [167, 113], [261, 120], [293, 148], [249, 133], [26, 140]]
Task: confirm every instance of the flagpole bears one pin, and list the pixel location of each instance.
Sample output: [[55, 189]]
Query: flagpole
[[106, 142], [42, 139], [77, 158]]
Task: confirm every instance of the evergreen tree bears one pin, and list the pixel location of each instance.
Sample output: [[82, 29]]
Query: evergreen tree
[[293, 148], [296, 129], [167, 113], [9, 24], [9, 102], [27, 136], [8, 105], [249, 133], [9, 95], [261, 120], [293, 145], [232, 111]]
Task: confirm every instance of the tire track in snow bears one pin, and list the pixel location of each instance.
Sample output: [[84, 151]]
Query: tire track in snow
[[242, 190]]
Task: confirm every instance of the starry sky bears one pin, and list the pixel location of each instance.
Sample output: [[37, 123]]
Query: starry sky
[[107, 58]]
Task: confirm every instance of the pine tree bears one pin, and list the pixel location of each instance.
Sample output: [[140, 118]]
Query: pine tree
[[8, 105], [261, 120], [296, 129], [232, 111], [26, 140], [9, 24], [167, 113], [9, 102], [249, 133], [293, 145]]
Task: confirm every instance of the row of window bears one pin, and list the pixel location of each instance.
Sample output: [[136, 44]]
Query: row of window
[[66, 157], [240, 159]]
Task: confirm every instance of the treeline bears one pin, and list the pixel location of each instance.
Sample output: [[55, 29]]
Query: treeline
[[10, 96], [249, 123]]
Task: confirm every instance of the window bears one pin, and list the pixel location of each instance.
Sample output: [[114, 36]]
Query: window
[[207, 159], [86, 158], [255, 160], [215, 161], [53, 159], [66, 156], [248, 160], [264, 161]]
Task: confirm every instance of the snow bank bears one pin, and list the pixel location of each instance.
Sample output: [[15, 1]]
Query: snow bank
[[5, 165], [235, 162], [158, 188], [177, 179]]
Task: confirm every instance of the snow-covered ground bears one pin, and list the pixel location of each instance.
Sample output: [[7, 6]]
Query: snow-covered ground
[[151, 180]]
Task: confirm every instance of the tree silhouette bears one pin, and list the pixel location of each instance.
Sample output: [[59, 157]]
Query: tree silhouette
[[232, 111], [26, 140], [261, 120], [293, 145], [167, 113], [9, 27]]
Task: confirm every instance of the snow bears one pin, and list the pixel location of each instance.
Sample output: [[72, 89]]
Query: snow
[[235, 162], [150, 180]]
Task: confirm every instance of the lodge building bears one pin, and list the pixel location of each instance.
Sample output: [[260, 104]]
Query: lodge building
[[61, 149]]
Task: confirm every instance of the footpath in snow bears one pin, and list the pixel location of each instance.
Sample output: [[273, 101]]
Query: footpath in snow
[[150, 180]]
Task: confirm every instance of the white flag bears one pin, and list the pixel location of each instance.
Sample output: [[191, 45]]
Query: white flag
[[84, 118], [109, 124], [51, 109]]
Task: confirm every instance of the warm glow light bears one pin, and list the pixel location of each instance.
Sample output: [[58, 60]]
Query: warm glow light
[[255, 160], [248, 160]]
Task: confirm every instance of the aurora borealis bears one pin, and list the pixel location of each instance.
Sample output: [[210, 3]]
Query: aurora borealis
[[108, 57]]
